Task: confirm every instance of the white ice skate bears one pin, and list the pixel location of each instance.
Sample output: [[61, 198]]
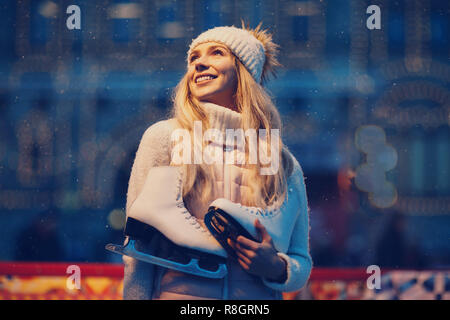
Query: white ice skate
[[159, 211], [226, 219]]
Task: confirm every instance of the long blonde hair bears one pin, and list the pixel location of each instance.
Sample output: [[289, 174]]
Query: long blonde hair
[[258, 112]]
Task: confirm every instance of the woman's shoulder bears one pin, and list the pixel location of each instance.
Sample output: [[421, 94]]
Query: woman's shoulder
[[293, 163], [159, 133], [161, 129], [295, 173], [156, 139]]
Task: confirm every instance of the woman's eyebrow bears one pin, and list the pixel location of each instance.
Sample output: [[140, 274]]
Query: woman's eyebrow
[[196, 51]]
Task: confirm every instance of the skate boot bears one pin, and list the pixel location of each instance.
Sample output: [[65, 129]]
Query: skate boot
[[159, 212], [227, 220]]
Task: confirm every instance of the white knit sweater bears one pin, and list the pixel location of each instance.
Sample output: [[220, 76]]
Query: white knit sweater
[[155, 150]]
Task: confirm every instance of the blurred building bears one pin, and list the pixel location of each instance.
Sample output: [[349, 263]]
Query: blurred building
[[368, 106]]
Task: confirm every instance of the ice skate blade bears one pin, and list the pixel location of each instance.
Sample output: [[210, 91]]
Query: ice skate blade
[[192, 267]]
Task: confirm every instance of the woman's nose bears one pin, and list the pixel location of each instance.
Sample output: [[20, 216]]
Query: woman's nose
[[201, 64]]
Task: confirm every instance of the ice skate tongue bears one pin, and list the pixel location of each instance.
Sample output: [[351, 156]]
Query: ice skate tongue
[[223, 227]]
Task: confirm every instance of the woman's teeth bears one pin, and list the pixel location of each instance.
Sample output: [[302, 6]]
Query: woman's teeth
[[203, 79]]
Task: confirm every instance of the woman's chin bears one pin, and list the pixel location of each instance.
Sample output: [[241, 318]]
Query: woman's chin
[[207, 98], [218, 97]]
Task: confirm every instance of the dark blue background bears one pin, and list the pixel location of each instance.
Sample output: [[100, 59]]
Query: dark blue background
[[74, 104]]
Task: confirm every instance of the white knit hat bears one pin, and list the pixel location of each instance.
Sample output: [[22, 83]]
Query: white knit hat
[[241, 42]]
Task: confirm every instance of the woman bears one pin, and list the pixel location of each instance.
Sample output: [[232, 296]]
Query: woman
[[222, 90]]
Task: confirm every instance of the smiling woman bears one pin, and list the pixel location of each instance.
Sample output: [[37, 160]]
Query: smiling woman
[[212, 74], [222, 90]]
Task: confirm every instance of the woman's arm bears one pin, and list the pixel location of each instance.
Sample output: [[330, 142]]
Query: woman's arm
[[281, 271], [153, 151], [298, 259]]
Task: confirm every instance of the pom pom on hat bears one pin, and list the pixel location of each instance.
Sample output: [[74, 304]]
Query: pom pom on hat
[[253, 47]]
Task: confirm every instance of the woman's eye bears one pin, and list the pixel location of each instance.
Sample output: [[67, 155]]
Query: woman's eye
[[215, 52]]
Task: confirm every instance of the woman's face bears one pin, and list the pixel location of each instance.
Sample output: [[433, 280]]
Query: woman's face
[[212, 75]]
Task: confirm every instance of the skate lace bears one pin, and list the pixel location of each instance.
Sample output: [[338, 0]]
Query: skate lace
[[270, 212], [180, 204]]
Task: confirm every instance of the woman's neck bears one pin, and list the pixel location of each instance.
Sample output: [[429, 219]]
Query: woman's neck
[[222, 118], [229, 104]]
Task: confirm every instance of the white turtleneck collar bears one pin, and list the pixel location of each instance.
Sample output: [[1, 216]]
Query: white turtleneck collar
[[222, 118]]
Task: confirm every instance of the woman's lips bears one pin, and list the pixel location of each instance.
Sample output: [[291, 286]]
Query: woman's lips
[[204, 81]]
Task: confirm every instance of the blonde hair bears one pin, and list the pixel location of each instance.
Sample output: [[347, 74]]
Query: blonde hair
[[258, 112]]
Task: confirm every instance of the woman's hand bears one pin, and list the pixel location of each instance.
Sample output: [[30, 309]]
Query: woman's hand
[[260, 258]]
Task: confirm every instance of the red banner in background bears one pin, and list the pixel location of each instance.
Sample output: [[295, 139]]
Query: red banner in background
[[116, 270], [47, 281], [59, 269]]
